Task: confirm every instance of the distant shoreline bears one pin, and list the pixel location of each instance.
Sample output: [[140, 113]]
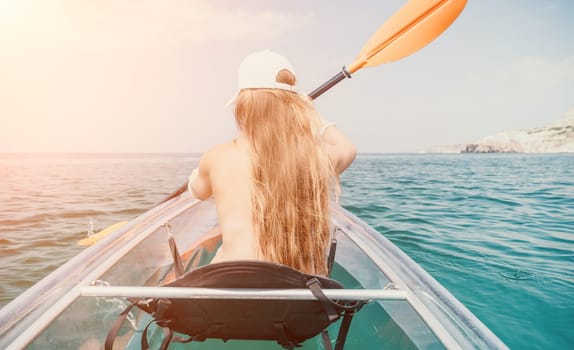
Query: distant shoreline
[[195, 154]]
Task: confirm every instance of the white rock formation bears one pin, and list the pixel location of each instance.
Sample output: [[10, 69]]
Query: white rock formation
[[557, 137]]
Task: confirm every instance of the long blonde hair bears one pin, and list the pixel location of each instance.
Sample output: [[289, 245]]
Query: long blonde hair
[[291, 176]]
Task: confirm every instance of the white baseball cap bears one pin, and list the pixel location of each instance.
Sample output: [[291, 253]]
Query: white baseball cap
[[259, 71]]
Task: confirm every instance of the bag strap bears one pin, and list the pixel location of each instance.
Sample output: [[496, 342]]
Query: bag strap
[[113, 332], [330, 263], [326, 340], [315, 286], [331, 258], [167, 336], [177, 261], [344, 329], [330, 307]]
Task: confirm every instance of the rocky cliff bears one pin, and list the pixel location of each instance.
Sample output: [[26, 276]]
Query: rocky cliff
[[557, 137]]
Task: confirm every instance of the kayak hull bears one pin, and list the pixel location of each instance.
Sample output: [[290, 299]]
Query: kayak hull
[[55, 314]]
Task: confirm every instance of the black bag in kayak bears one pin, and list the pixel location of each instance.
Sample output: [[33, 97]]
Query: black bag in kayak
[[289, 322]]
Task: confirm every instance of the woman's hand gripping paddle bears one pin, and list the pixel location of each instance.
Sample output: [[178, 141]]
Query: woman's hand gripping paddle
[[411, 28]]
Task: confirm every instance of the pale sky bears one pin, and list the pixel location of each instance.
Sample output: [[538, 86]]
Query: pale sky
[[154, 76]]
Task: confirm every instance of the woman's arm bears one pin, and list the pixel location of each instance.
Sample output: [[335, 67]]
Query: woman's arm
[[200, 181], [341, 149]]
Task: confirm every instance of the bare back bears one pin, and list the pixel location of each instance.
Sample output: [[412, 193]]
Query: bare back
[[229, 170], [225, 173]]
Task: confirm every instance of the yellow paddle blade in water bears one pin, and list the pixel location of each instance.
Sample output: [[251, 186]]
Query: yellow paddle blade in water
[[411, 28], [103, 233]]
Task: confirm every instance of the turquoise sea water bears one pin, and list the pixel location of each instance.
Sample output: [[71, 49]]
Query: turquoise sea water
[[496, 230]]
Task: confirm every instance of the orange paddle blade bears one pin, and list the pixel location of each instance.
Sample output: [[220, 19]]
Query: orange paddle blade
[[415, 25]]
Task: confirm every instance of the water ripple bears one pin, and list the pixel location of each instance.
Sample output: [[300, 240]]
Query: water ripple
[[496, 230]]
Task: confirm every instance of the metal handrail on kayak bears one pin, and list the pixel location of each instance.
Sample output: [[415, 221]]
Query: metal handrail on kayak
[[243, 293]]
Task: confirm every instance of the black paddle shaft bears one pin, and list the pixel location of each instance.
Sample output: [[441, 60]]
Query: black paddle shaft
[[344, 73]]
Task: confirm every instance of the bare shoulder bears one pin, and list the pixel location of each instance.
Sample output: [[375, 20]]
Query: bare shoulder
[[221, 152]]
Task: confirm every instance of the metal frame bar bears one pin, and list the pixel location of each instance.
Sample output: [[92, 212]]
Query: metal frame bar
[[243, 294]]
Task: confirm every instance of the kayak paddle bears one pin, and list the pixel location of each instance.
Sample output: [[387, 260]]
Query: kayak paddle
[[411, 28], [96, 237]]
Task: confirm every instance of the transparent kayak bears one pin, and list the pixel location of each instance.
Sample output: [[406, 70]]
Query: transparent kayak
[[75, 306]]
